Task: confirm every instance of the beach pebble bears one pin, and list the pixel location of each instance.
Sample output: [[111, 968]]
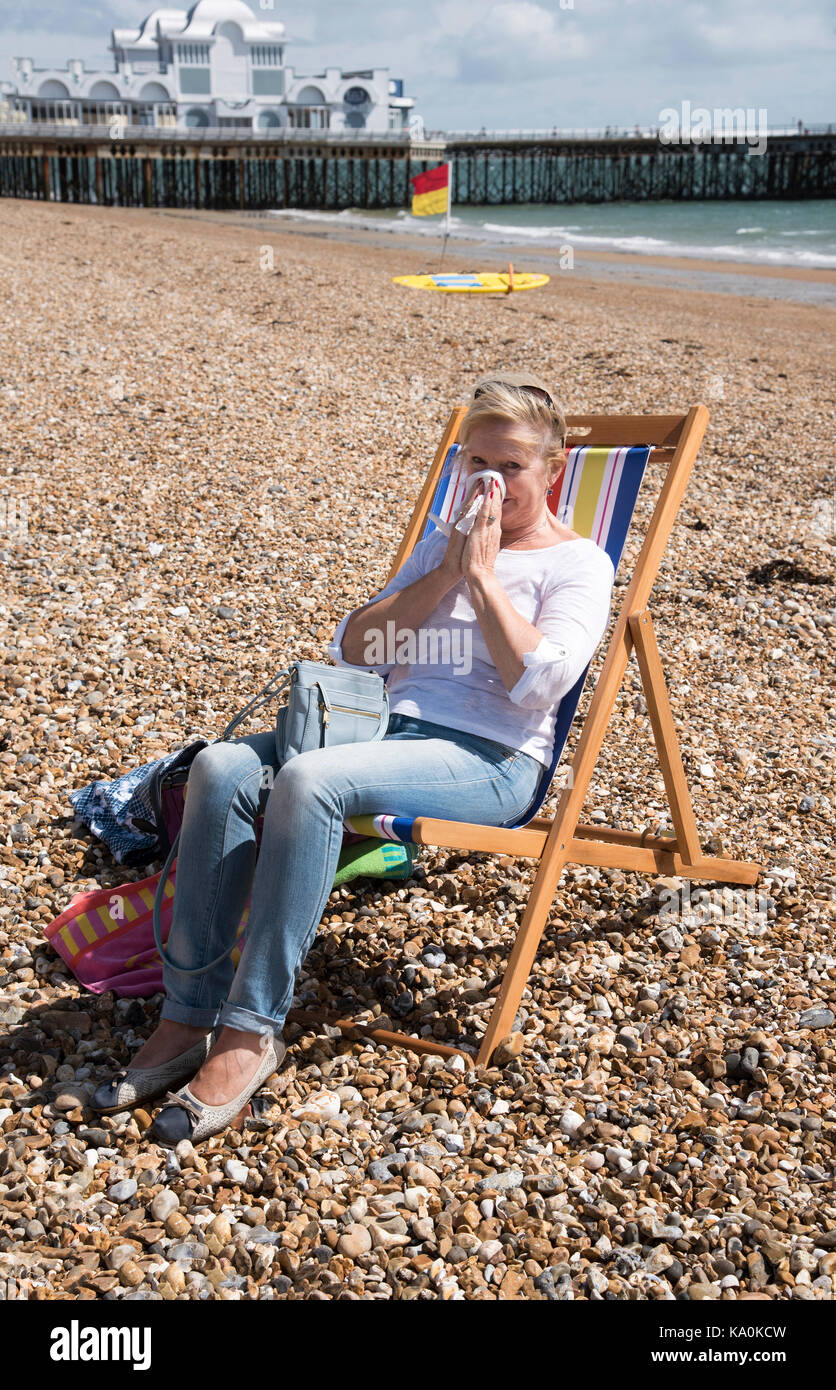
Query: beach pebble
[[318, 1107], [816, 1018], [123, 1191], [433, 957], [164, 1204], [236, 1171], [355, 1240], [570, 1122]]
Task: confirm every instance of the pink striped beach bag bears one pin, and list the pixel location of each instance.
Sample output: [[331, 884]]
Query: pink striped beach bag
[[106, 937]]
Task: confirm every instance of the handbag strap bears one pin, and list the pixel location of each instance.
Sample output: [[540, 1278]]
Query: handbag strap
[[158, 935], [272, 687]]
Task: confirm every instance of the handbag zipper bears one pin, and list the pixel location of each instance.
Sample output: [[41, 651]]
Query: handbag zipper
[[345, 709]]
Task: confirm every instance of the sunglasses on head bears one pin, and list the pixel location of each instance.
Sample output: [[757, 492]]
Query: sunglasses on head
[[535, 391]]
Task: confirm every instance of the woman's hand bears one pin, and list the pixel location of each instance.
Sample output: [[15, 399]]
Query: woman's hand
[[450, 564], [482, 545]]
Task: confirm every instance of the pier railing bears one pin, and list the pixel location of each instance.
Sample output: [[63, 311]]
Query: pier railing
[[116, 131], [611, 133], [231, 168]]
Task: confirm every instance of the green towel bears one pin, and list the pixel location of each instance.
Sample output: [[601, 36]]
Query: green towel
[[374, 859]]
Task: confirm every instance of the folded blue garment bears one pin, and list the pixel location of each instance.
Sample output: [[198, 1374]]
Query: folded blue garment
[[122, 813]]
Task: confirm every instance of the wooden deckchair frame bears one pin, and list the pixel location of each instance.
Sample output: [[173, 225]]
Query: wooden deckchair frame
[[560, 840]]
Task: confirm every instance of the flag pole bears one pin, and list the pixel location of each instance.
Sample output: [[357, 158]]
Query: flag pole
[[449, 204]]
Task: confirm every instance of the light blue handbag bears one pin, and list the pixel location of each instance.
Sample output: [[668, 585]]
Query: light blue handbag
[[327, 705]]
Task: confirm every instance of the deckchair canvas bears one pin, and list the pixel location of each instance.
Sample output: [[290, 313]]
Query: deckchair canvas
[[597, 503]]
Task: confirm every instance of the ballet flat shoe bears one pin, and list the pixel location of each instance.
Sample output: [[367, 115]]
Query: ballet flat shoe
[[186, 1117], [134, 1084]]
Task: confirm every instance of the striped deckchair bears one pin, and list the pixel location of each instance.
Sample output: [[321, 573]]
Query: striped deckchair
[[607, 462]]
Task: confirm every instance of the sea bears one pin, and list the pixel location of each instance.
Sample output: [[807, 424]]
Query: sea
[[795, 235]]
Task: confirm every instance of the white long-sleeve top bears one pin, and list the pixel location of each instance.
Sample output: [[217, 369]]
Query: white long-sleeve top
[[445, 673]]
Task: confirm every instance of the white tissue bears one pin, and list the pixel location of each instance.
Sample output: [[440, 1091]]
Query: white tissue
[[466, 515]]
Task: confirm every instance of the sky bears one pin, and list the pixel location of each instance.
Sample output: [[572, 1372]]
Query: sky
[[515, 64]]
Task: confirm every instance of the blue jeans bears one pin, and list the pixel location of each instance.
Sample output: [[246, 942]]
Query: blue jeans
[[418, 768]]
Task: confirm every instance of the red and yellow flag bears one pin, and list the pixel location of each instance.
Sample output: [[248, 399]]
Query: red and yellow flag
[[430, 191]]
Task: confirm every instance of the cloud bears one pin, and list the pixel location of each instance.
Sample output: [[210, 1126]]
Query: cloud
[[518, 41], [513, 63], [85, 18]]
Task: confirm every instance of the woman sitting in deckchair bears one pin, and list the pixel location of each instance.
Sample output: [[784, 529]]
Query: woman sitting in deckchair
[[518, 607]]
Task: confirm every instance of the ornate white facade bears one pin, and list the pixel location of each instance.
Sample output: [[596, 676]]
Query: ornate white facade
[[216, 65]]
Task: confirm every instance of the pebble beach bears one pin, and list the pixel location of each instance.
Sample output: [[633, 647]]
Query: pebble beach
[[212, 436]]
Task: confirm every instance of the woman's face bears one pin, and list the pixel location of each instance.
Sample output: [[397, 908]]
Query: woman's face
[[506, 450]]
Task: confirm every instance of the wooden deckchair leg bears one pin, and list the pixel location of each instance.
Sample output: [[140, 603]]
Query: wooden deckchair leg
[[522, 956], [664, 734]]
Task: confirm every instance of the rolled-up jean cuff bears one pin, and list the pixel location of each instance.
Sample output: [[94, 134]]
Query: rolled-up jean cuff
[[234, 1016], [184, 1013]]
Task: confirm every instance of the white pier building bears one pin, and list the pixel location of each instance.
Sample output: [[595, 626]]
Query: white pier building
[[217, 65]]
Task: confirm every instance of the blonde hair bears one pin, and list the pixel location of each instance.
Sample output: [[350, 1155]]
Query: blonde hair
[[499, 401]]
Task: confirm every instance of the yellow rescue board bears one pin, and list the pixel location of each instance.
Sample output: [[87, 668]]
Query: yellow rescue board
[[474, 282]]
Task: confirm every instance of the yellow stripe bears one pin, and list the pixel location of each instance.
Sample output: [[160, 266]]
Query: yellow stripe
[[425, 204], [147, 897], [109, 922], [589, 491], [363, 825], [138, 962], [88, 931], [129, 910], [68, 940]]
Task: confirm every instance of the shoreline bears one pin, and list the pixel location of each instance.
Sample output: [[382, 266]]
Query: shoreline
[[812, 286]]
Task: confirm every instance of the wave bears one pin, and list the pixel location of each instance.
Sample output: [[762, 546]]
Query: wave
[[399, 221], [512, 229]]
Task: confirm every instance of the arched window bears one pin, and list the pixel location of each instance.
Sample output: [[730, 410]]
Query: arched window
[[104, 91], [154, 91], [52, 88]]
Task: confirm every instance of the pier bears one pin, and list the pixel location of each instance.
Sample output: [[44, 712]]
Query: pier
[[123, 166]]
